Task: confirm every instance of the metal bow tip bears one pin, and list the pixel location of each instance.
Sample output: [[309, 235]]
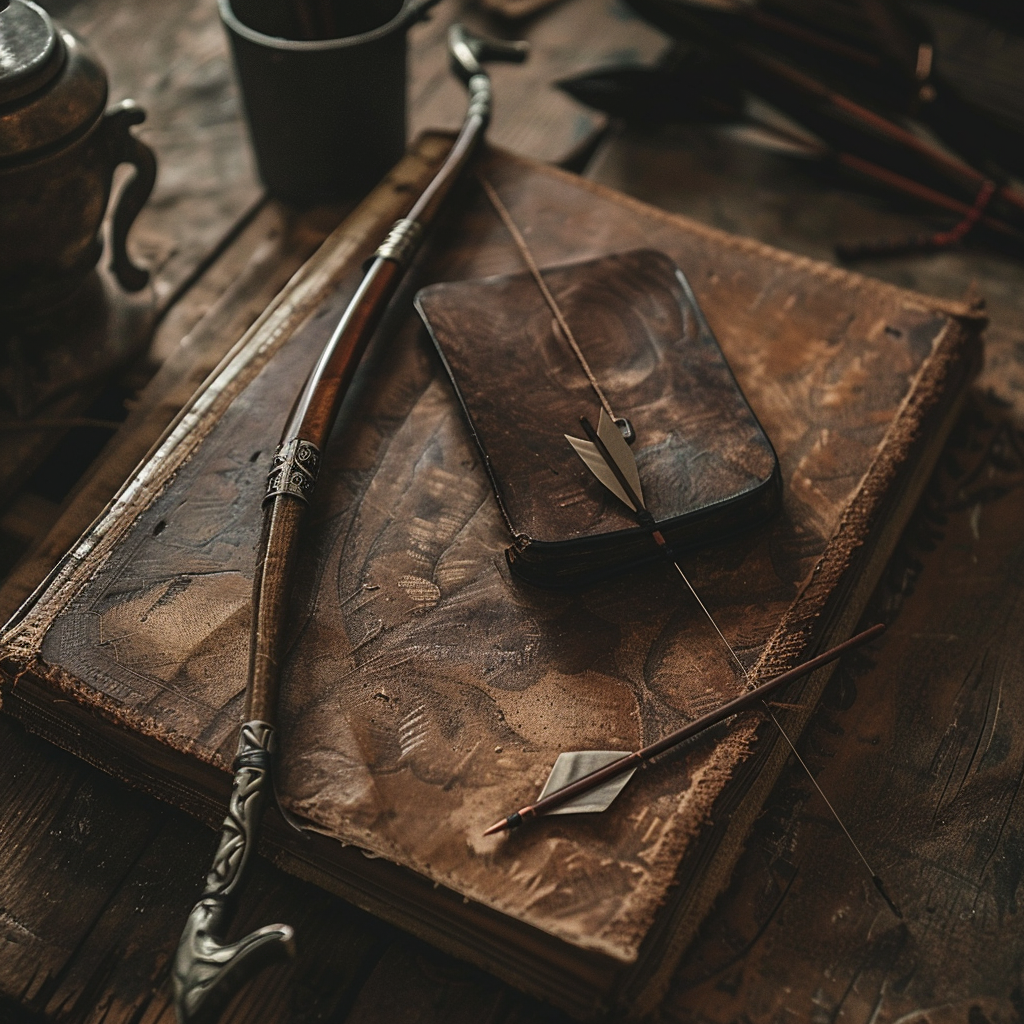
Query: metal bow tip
[[467, 51], [207, 970]]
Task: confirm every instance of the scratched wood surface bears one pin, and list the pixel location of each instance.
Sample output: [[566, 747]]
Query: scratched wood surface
[[173, 59], [784, 944]]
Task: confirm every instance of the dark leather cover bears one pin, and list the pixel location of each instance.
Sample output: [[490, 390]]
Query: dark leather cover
[[706, 466]]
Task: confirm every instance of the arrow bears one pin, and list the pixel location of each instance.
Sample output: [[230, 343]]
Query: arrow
[[566, 792], [594, 776]]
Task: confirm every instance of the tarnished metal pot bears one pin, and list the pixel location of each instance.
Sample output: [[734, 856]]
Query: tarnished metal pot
[[59, 147]]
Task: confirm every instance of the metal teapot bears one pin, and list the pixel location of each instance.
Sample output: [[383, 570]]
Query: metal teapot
[[59, 148]]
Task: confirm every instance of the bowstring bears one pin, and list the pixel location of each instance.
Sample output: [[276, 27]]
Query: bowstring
[[527, 256], [556, 311]]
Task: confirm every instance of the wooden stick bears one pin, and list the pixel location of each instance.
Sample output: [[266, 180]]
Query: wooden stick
[[952, 166], [916, 190]]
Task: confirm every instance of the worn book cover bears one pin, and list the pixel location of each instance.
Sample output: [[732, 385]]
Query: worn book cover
[[427, 690]]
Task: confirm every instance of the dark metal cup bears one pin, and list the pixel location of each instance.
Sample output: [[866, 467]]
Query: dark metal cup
[[326, 116]]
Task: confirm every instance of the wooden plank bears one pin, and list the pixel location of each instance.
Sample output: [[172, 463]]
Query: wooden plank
[[56, 853], [29, 517], [96, 880], [434, 989], [173, 60]]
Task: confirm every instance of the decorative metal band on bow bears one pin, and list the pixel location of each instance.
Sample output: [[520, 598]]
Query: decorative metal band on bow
[[402, 242], [249, 789], [294, 470], [480, 94]]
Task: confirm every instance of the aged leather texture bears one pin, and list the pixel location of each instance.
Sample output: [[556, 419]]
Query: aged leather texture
[[706, 467], [426, 691]]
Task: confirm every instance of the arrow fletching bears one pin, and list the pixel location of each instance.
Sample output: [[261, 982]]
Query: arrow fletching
[[575, 764], [616, 455]]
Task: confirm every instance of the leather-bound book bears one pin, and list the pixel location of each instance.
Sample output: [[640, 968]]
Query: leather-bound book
[[428, 690]]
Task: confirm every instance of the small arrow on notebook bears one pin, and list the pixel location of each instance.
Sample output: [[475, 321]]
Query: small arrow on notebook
[[585, 781], [588, 781], [574, 765]]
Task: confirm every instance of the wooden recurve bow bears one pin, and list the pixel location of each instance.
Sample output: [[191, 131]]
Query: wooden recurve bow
[[207, 970]]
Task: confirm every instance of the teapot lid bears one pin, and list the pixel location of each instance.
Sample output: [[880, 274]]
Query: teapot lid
[[51, 87], [31, 50]]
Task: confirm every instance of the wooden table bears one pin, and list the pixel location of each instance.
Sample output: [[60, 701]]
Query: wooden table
[[919, 746]]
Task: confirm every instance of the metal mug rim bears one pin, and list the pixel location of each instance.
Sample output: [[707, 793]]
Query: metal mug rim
[[409, 12]]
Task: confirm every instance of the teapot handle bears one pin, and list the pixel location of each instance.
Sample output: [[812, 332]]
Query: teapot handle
[[124, 148]]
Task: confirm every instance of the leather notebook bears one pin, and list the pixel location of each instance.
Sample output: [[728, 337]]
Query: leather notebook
[[427, 691], [708, 470]]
